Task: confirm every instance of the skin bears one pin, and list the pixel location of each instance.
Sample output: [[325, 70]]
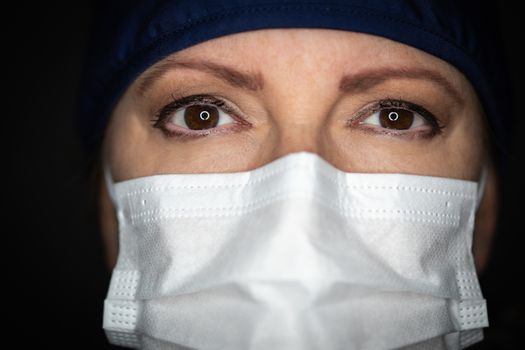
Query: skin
[[301, 108]]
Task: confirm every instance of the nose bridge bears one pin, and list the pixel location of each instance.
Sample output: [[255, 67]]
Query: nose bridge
[[296, 137], [299, 103], [298, 124]]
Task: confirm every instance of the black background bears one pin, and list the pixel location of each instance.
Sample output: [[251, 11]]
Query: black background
[[56, 277]]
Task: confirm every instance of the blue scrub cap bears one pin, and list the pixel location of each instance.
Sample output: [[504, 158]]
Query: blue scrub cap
[[129, 36]]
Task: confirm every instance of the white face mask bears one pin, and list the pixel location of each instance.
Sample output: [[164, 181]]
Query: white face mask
[[294, 255]]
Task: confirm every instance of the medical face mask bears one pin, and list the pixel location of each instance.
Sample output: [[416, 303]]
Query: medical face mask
[[295, 254]]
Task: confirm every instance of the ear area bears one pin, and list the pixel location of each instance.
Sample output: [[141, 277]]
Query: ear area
[[486, 220], [108, 224]]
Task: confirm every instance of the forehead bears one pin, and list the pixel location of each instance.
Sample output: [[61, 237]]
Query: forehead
[[325, 50]]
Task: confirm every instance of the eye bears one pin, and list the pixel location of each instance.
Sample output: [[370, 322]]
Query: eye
[[396, 119], [200, 117]]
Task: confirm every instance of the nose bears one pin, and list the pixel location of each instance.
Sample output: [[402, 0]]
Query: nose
[[298, 115], [286, 136], [296, 134]]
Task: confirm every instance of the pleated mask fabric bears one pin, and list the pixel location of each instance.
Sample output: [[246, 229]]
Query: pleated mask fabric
[[296, 254]]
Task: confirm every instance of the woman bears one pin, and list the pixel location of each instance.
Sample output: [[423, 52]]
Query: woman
[[295, 175]]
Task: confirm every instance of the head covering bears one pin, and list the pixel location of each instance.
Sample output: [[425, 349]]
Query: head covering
[[130, 36]]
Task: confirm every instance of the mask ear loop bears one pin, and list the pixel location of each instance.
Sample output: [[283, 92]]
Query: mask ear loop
[[110, 185], [481, 185]]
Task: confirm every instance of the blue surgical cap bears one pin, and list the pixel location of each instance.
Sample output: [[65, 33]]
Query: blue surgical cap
[[129, 36]]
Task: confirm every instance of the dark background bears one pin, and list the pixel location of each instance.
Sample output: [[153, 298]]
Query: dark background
[[57, 279]]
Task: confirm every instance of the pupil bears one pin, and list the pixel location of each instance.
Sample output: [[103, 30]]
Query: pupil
[[205, 115], [393, 116], [201, 117], [397, 119]]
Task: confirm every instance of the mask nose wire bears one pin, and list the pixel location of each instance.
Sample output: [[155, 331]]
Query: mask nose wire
[[482, 183]]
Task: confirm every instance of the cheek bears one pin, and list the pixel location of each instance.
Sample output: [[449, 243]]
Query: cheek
[[465, 148], [125, 144], [455, 154], [135, 149]]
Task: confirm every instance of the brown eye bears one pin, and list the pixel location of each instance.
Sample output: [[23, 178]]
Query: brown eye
[[201, 117], [396, 118]]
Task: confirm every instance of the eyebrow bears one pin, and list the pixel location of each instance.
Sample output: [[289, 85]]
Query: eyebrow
[[350, 83], [243, 80], [366, 80]]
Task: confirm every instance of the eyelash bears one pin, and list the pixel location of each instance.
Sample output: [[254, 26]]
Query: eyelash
[[162, 116]]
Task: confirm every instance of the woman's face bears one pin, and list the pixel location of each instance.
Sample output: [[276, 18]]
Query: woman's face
[[287, 90], [363, 103]]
